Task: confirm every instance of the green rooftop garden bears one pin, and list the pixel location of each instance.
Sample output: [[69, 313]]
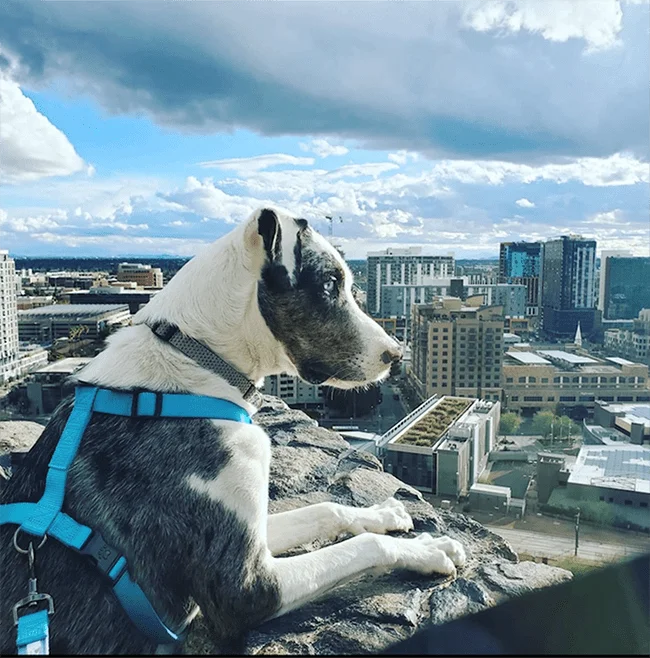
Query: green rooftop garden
[[430, 428]]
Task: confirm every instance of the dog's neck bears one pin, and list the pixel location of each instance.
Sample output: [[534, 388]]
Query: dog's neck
[[213, 299]]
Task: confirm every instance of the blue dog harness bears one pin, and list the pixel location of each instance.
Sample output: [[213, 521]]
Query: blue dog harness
[[45, 518]]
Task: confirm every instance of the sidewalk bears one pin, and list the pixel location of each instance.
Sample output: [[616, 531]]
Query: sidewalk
[[544, 545]]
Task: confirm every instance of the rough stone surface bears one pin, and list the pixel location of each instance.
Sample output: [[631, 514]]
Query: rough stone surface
[[368, 615], [310, 465]]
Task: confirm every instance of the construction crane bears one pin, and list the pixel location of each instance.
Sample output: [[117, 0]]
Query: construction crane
[[330, 229]]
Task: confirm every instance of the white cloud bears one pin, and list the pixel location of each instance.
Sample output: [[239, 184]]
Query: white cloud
[[618, 169], [31, 147], [611, 218], [323, 149], [402, 157], [206, 199], [524, 203], [257, 162], [597, 22]]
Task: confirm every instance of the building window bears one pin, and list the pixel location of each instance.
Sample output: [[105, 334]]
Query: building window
[[610, 500], [594, 380], [567, 398], [522, 380], [550, 398], [515, 398], [508, 380], [602, 498], [556, 380], [544, 380], [628, 503], [643, 504], [532, 380], [576, 380]]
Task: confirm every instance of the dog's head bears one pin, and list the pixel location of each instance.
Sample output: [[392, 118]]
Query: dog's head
[[305, 297]]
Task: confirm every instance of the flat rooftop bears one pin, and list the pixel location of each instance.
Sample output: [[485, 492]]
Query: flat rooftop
[[492, 489], [69, 365], [620, 361], [625, 467], [561, 355], [433, 424], [76, 310], [529, 358]]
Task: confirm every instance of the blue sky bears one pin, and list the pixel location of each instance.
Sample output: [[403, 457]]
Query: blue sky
[[151, 128]]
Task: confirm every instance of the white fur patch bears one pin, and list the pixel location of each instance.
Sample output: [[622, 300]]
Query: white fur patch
[[241, 485]]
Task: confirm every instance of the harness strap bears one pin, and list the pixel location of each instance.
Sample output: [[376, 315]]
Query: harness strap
[[45, 516], [167, 405], [33, 637], [51, 502]]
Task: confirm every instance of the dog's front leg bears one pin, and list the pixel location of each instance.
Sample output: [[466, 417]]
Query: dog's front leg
[[303, 578], [326, 521]]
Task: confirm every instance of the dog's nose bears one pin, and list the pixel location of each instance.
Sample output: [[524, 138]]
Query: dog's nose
[[392, 356]]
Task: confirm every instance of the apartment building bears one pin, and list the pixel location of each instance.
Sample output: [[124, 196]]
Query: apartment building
[[143, 275], [402, 266], [294, 391], [8, 319], [397, 299], [535, 380], [568, 286], [624, 286], [457, 348], [632, 343], [520, 263]]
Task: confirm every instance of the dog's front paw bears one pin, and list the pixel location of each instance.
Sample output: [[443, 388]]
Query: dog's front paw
[[453, 548], [426, 555], [389, 516]]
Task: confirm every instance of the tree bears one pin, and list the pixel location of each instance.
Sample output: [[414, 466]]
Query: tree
[[509, 424], [542, 423]]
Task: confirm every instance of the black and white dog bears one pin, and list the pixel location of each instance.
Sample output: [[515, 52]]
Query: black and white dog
[[186, 500]]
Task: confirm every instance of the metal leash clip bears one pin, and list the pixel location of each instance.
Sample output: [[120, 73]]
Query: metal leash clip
[[33, 631]]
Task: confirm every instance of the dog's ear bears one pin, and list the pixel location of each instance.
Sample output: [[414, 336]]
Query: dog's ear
[[268, 226]]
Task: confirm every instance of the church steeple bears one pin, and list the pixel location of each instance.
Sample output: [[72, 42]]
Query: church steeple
[[578, 339]]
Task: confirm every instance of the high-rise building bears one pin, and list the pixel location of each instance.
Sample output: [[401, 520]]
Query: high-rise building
[[144, 275], [402, 266], [520, 262], [624, 286], [457, 348], [9, 350], [568, 286]]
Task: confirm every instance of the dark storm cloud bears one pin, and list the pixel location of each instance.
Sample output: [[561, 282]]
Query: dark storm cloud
[[392, 75]]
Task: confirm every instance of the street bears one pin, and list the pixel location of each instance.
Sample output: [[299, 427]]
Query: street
[[542, 545]]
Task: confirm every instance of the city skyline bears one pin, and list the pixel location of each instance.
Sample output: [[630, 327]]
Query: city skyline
[[454, 127]]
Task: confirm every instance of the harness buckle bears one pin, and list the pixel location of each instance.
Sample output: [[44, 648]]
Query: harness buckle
[[104, 555]]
